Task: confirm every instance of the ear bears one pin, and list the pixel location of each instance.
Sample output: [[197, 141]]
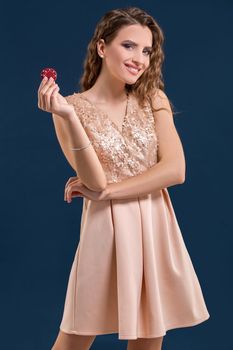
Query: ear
[[101, 47]]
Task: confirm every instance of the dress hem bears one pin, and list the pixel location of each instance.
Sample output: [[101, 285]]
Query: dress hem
[[130, 336]]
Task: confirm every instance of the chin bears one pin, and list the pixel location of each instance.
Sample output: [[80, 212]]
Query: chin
[[131, 80], [127, 81]]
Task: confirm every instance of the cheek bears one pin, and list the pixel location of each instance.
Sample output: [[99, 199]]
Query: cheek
[[119, 57], [115, 62], [147, 65]]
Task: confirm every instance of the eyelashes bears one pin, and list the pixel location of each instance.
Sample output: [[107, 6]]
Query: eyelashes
[[130, 45]]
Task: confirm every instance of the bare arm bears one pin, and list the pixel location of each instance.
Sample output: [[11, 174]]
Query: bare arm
[[62, 139], [70, 133], [170, 169]]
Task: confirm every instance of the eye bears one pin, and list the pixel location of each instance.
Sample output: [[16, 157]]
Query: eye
[[148, 52], [127, 45]]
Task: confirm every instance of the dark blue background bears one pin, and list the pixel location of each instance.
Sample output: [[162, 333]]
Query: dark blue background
[[40, 232]]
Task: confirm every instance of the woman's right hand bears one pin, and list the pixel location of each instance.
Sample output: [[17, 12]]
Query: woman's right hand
[[50, 100]]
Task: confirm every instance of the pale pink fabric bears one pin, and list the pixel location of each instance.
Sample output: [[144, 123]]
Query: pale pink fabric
[[131, 273]]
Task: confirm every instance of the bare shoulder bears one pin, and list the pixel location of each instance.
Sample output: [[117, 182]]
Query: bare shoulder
[[170, 148], [159, 100], [73, 99], [70, 98]]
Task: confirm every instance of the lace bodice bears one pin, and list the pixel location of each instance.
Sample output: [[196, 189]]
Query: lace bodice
[[122, 153]]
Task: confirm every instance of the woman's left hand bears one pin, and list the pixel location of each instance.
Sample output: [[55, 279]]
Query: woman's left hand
[[75, 188]]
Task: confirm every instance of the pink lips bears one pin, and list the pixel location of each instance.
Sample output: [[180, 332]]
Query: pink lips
[[134, 73], [131, 65]]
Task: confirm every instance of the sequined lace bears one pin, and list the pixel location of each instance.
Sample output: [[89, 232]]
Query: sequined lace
[[124, 153]]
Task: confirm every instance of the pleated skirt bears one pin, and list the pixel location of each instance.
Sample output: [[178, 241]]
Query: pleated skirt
[[131, 273]]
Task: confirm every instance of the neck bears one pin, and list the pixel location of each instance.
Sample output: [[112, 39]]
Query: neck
[[107, 88]]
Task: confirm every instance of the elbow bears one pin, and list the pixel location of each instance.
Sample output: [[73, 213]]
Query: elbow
[[177, 173], [180, 176], [102, 184], [98, 187]]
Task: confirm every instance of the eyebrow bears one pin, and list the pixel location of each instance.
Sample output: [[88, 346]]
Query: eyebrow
[[132, 42]]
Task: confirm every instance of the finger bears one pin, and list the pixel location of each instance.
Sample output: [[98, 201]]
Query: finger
[[48, 96], [70, 190], [68, 194], [43, 96], [54, 94], [65, 195], [42, 89], [53, 97], [42, 84], [70, 180]]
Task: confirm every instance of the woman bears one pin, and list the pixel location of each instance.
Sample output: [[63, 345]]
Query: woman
[[131, 273]]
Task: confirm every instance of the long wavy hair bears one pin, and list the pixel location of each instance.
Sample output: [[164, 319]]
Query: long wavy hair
[[107, 28]]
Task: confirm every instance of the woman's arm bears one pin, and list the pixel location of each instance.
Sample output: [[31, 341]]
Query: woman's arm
[[71, 134], [170, 168], [160, 176]]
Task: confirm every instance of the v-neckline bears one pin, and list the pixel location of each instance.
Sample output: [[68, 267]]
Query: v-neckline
[[106, 114]]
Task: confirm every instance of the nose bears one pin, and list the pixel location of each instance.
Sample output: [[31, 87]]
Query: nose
[[139, 58]]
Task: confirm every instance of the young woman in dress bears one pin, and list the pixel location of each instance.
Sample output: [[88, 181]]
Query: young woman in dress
[[131, 274]]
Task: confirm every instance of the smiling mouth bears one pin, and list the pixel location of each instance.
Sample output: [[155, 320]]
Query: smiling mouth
[[132, 69]]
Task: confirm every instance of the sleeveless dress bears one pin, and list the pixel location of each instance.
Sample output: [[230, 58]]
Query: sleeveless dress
[[131, 273]]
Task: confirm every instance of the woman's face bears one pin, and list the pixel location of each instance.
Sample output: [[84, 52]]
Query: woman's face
[[128, 55]]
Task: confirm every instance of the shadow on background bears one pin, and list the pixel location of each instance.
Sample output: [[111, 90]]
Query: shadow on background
[[40, 232]]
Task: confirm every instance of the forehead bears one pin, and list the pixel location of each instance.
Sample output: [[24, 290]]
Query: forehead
[[137, 33]]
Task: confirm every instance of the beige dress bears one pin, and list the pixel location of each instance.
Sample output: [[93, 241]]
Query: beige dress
[[132, 273]]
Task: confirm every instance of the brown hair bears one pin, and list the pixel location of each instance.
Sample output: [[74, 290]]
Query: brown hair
[[107, 29]]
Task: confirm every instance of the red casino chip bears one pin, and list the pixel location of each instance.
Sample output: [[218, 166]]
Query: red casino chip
[[48, 72]]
